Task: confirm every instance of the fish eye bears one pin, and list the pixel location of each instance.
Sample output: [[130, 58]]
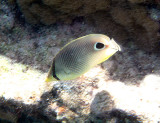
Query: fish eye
[[99, 46]]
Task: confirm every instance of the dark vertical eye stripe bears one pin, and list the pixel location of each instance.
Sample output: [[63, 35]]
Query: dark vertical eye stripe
[[54, 71]]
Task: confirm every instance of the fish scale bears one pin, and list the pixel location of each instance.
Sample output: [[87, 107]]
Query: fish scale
[[80, 55], [70, 62]]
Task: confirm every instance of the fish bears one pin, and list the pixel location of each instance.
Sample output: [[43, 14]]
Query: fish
[[80, 55]]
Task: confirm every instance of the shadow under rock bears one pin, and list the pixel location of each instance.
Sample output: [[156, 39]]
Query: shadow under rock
[[18, 112], [103, 110], [118, 116]]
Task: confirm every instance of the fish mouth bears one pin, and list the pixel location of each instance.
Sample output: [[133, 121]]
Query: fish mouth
[[115, 46]]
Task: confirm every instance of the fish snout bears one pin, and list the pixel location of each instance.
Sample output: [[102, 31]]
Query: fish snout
[[114, 45]]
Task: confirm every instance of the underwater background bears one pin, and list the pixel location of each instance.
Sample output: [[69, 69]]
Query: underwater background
[[123, 89]]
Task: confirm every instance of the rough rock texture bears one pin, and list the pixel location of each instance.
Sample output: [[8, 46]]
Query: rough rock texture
[[51, 11], [7, 18], [131, 24], [141, 28], [124, 89], [123, 20]]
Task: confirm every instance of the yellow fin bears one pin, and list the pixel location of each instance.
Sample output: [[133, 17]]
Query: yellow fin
[[50, 78]]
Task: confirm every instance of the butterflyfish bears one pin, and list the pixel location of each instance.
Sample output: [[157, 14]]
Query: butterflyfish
[[80, 55]]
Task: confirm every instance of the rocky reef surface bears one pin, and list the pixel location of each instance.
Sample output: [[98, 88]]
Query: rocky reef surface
[[136, 20], [125, 88]]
